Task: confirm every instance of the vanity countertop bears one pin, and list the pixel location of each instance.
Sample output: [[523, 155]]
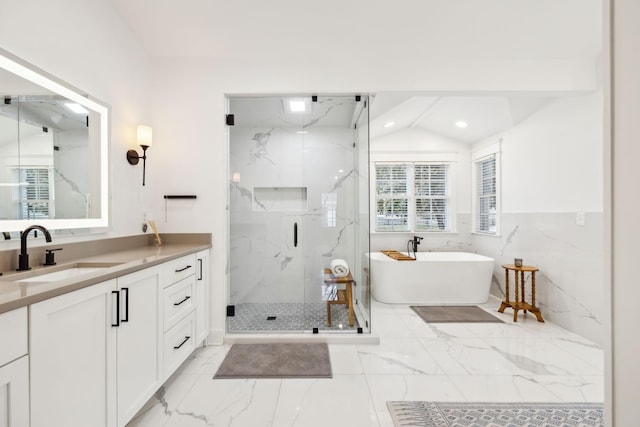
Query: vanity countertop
[[15, 294]]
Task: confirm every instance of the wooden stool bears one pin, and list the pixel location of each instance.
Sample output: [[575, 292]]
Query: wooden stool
[[345, 296], [519, 303]]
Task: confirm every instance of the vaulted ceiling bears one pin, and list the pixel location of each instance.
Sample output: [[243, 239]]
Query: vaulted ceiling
[[248, 30]]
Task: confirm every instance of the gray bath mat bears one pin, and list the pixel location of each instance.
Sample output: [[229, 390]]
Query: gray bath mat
[[443, 414], [279, 360], [454, 314]]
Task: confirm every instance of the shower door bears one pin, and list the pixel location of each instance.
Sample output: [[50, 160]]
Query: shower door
[[293, 207]]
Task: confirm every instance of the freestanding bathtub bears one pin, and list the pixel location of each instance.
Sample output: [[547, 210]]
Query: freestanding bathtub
[[434, 278]]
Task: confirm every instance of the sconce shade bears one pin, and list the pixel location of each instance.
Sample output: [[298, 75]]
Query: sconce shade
[[145, 135]]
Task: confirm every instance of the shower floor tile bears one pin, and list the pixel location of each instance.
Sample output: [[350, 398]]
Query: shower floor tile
[[288, 317]]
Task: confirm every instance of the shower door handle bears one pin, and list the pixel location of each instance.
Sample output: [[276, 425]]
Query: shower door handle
[[295, 234]]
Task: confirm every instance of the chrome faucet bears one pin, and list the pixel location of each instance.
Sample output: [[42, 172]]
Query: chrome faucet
[[23, 258]]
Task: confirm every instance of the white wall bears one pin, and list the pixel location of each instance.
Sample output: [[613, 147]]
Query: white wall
[[552, 169], [553, 160], [86, 44]]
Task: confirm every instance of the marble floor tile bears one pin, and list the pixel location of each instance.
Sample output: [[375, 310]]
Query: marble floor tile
[[397, 356], [469, 356], [524, 361], [502, 388], [345, 359], [226, 402], [541, 356], [409, 387], [343, 400], [204, 360]]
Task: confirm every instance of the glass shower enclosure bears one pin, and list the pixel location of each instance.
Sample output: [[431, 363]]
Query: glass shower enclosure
[[298, 199]]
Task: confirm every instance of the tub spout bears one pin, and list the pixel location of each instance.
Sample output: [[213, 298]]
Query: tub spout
[[412, 245]]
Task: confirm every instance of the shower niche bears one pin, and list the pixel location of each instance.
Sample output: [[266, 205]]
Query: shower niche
[[298, 198], [283, 199]]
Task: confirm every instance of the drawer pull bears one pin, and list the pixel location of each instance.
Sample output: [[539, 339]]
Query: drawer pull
[[185, 299], [182, 343], [183, 269]]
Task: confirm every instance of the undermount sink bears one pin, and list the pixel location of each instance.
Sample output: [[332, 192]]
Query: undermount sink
[[69, 272]]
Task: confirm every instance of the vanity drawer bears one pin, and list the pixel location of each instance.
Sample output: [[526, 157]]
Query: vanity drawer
[[178, 269], [13, 335], [179, 342], [179, 299]]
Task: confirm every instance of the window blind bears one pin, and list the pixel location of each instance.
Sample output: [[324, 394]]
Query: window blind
[[392, 207], [431, 197], [32, 196], [486, 194], [412, 197]]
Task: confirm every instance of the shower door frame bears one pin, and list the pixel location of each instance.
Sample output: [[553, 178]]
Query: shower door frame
[[303, 218]]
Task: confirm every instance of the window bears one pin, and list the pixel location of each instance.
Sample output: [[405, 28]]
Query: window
[[412, 197], [31, 197], [486, 200]]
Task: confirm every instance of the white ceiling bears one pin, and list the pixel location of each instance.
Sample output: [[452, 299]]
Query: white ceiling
[[507, 29], [469, 29], [484, 115]]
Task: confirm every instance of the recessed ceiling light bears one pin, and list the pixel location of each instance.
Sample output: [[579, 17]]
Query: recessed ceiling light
[[76, 108], [461, 124], [341, 170], [297, 105], [302, 131], [389, 124]]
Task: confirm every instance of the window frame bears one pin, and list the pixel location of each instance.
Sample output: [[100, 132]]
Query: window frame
[[412, 159], [477, 157]]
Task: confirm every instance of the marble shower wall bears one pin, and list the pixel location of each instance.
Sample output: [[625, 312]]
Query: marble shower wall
[[460, 241], [569, 285], [265, 265]]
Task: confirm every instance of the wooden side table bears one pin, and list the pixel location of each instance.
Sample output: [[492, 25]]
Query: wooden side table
[[345, 296], [519, 303]]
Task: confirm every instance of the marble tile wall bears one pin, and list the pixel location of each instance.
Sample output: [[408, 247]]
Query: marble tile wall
[[460, 241], [570, 284]]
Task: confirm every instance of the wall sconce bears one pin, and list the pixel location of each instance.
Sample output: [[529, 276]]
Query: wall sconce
[[145, 141]]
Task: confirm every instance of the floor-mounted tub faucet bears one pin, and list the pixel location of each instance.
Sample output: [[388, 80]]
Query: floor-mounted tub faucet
[[23, 258], [412, 245]]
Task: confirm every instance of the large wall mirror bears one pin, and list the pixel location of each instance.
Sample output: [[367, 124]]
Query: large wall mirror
[[54, 152]]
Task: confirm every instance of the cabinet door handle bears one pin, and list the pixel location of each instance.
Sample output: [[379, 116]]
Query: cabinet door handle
[[185, 299], [295, 234], [126, 304], [117, 304], [200, 263], [182, 343], [183, 269]]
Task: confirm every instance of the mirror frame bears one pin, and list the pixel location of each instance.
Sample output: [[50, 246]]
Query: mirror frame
[[27, 71]]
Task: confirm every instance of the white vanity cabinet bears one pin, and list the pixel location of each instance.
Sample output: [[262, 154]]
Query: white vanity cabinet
[[202, 296], [73, 358], [95, 352], [99, 353], [14, 369], [139, 341], [180, 299]]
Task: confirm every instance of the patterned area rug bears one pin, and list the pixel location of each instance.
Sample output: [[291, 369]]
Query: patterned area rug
[[465, 414]]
